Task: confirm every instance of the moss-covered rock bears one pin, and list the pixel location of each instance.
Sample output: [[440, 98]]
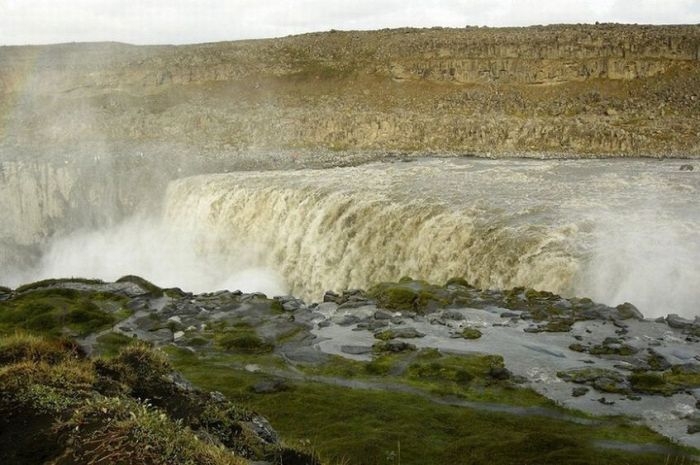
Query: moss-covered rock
[[603, 380], [144, 284], [470, 333], [243, 340], [410, 295]]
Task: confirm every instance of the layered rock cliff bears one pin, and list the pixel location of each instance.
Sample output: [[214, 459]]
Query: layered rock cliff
[[586, 90]]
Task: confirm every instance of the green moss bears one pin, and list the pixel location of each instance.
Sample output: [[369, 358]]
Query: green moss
[[411, 295], [683, 377], [144, 284], [50, 311], [394, 297], [600, 378], [651, 383], [109, 344], [198, 341], [52, 282], [532, 294], [618, 349], [118, 430], [470, 333], [276, 306], [356, 426], [457, 282]]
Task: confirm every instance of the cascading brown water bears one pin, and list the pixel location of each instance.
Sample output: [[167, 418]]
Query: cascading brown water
[[624, 230], [319, 239], [612, 230]]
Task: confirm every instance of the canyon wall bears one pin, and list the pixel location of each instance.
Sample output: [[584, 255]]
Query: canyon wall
[[578, 90]]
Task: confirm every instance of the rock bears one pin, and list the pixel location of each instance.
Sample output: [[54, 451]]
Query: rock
[[605, 401], [678, 322], [270, 386], [393, 346], [383, 315], [627, 311], [602, 379], [377, 324], [324, 323], [347, 320], [355, 350], [178, 335], [453, 315], [576, 347], [686, 167], [326, 308], [293, 305], [353, 304], [401, 333], [331, 296], [510, 315], [470, 333], [305, 354], [656, 361], [579, 391], [499, 373]]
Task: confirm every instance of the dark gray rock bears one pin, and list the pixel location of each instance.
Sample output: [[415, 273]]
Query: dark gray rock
[[331, 296], [406, 333], [270, 386], [355, 350], [352, 304], [627, 311], [393, 346], [383, 315], [377, 324], [579, 391], [678, 322], [499, 373], [347, 320], [453, 315]]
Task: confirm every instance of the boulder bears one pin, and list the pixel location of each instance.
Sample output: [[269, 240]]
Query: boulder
[[579, 391], [627, 311], [678, 322]]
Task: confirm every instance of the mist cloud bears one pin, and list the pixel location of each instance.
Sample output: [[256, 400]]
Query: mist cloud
[[190, 21]]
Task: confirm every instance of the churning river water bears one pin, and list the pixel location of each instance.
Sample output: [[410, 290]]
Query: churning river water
[[612, 230]]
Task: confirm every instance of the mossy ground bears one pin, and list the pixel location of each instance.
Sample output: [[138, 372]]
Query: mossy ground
[[59, 406], [356, 426], [58, 310]]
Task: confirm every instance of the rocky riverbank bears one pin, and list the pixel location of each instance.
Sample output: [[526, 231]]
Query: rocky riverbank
[[483, 349]]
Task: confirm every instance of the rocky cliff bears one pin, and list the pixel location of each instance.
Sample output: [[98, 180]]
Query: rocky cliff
[[586, 90]]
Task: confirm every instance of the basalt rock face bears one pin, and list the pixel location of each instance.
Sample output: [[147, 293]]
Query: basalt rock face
[[585, 90]]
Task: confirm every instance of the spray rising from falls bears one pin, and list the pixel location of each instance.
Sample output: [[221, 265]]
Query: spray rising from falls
[[562, 227]]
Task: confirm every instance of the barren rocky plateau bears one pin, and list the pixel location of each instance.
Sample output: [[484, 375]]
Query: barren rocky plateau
[[543, 91]]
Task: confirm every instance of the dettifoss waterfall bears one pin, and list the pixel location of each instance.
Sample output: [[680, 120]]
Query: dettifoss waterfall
[[612, 230]]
